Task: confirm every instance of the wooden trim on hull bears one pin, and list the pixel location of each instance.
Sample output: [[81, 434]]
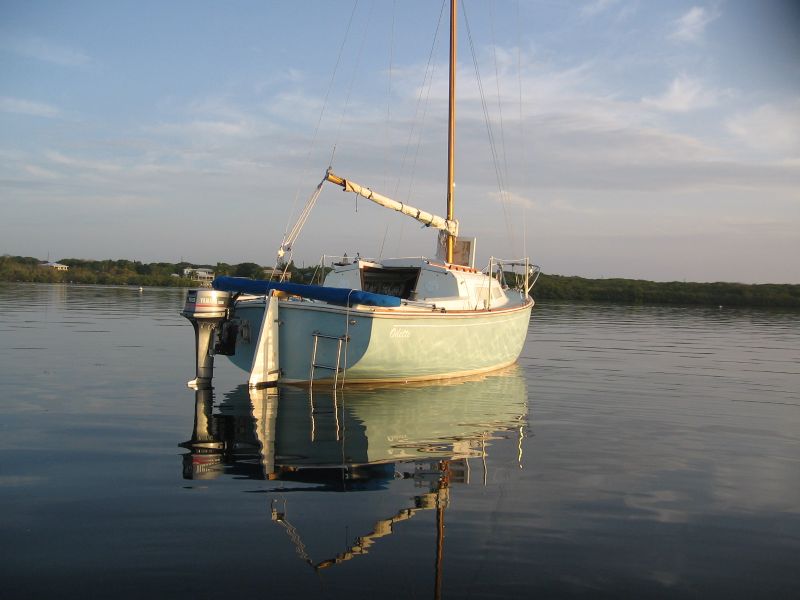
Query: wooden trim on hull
[[384, 313]]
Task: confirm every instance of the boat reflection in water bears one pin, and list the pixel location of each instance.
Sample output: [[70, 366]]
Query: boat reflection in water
[[358, 439]]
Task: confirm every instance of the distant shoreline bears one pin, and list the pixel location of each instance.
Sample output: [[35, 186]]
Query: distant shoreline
[[639, 291], [549, 287]]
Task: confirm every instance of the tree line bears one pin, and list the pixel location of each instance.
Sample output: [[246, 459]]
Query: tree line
[[637, 291], [549, 287], [130, 272]]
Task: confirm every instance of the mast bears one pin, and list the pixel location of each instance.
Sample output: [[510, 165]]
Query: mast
[[448, 224], [451, 128]]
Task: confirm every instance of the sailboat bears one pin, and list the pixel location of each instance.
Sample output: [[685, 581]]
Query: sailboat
[[373, 321]]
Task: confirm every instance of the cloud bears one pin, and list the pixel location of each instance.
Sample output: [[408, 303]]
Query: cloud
[[60, 159], [692, 25], [751, 222], [212, 120], [562, 205], [684, 94], [39, 173], [596, 7], [513, 199], [769, 128], [46, 51], [204, 128], [28, 107], [218, 107]]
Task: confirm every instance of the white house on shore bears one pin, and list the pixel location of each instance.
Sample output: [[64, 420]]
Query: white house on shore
[[54, 265], [273, 273], [202, 276]]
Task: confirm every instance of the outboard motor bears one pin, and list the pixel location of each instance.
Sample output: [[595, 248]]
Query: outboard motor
[[207, 310]]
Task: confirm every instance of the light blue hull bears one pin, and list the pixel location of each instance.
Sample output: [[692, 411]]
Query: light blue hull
[[384, 345]]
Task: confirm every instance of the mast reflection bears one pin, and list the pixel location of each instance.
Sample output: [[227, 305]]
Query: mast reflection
[[312, 440]]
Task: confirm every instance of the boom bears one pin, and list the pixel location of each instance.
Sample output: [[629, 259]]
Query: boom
[[426, 218]]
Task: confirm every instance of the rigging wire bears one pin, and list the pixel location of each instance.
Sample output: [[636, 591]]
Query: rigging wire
[[387, 129], [415, 120], [383, 242], [303, 175], [492, 144], [353, 77], [416, 123], [524, 169], [413, 171], [504, 194], [289, 239], [499, 101]]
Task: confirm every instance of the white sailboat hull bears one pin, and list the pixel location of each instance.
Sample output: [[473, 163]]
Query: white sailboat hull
[[383, 345]]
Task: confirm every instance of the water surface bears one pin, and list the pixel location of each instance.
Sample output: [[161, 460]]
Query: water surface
[[633, 451]]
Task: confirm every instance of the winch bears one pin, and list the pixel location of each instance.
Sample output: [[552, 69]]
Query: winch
[[207, 310]]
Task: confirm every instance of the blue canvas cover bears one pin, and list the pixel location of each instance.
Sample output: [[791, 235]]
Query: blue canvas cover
[[331, 295]]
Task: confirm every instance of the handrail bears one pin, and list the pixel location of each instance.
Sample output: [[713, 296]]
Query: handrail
[[530, 270]]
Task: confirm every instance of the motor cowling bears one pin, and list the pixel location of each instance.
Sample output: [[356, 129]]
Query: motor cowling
[[206, 304], [207, 310]]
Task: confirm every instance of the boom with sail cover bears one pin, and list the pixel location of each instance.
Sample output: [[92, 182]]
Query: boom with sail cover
[[426, 218]]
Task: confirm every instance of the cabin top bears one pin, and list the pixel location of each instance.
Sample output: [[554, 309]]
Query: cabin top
[[453, 287]]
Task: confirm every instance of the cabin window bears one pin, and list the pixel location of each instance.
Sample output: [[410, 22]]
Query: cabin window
[[391, 281], [482, 293]]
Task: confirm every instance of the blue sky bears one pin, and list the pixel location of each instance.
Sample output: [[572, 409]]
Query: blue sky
[[658, 140]]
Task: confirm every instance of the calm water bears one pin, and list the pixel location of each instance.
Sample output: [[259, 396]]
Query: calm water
[[634, 451]]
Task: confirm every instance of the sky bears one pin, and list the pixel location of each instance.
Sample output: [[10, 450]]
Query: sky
[[624, 138]]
